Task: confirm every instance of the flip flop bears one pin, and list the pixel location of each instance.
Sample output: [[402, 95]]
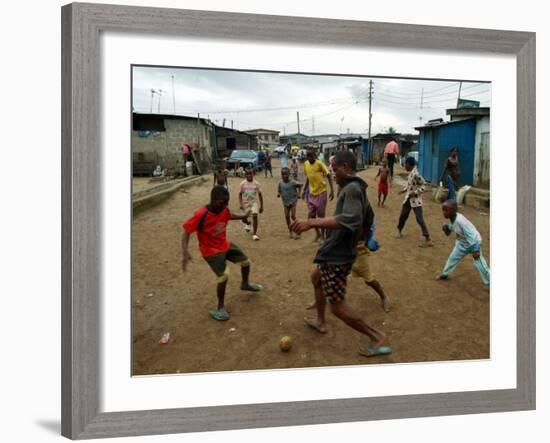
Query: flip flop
[[219, 315], [373, 352], [253, 287]]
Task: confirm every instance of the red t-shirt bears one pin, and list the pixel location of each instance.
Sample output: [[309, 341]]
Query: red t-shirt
[[212, 235]]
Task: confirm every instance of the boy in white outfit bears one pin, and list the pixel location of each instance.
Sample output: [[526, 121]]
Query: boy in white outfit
[[468, 241]]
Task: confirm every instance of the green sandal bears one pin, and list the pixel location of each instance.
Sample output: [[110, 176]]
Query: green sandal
[[253, 287], [219, 315]]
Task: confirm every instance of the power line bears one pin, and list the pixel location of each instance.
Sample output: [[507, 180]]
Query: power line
[[428, 97]]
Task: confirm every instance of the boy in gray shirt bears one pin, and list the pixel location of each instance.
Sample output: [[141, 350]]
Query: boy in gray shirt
[[289, 192], [337, 254]]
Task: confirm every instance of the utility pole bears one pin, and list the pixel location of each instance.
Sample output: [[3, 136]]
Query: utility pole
[[159, 92], [370, 120], [231, 124], [421, 104], [312, 125], [198, 130], [298, 120], [459, 89], [153, 92], [173, 96]]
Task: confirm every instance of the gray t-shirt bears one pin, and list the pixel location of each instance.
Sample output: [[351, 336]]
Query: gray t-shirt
[[289, 192], [352, 207]]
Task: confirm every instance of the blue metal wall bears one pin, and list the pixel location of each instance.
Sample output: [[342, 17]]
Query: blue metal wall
[[434, 145], [366, 151]]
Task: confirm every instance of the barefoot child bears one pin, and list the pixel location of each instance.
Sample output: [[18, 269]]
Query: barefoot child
[[316, 173], [220, 177], [336, 255], [210, 224], [289, 192], [383, 182], [468, 241], [249, 196]]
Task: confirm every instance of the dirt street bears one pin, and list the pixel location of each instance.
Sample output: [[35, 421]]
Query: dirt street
[[430, 320]]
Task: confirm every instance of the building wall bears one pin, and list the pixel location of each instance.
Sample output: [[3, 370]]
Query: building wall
[[165, 147], [435, 145], [482, 153]]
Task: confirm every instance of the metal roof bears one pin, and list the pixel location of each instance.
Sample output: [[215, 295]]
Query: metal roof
[[437, 125]]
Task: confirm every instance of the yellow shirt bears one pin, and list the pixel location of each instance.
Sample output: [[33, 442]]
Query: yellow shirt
[[316, 174]]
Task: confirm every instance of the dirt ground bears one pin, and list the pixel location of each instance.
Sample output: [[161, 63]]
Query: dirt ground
[[429, 321]]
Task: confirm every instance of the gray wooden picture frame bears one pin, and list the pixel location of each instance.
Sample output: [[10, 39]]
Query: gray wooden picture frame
[[81, 163]]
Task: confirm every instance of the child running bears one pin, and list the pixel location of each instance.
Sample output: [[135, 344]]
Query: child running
[[210, 224], [289, 192], [336, 255], [413, 200], [468, 241], [383, 182], [249, 196]]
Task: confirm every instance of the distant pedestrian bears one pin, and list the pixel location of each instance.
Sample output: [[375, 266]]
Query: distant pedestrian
[[268, 166], [450, 174], [283, 156], [294, 168], [468, 241], [220, 176], [413, 200], [391, 154]]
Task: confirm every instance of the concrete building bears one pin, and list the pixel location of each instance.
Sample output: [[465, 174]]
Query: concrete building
[[296, 139], [266, 138], [157, 139]]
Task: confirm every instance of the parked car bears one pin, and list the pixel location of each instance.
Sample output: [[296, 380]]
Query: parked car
[[246, 158]]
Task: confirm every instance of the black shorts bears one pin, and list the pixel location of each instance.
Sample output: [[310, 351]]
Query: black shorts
[[217, 262]]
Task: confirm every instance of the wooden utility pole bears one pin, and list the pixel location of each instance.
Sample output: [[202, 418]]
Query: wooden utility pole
[[173, 96], [370, 122], [421, 104]]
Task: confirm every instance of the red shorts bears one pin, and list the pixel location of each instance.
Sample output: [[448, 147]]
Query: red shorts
[[383, 188]]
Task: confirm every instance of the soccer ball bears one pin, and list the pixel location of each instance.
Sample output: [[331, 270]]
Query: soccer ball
[[285, 343]]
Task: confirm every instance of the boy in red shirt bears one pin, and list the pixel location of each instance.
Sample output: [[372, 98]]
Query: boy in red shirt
[[210, 223]]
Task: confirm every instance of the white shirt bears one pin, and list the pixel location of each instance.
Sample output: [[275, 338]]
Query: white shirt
[[466, 232]]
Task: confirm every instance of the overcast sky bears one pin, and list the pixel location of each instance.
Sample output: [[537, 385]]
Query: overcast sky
[[327, 104]]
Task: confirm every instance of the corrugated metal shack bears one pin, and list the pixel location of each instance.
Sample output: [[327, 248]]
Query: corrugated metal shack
[[469, 131]]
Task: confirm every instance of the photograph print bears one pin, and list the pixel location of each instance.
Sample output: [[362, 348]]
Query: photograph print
[[288, 220]]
